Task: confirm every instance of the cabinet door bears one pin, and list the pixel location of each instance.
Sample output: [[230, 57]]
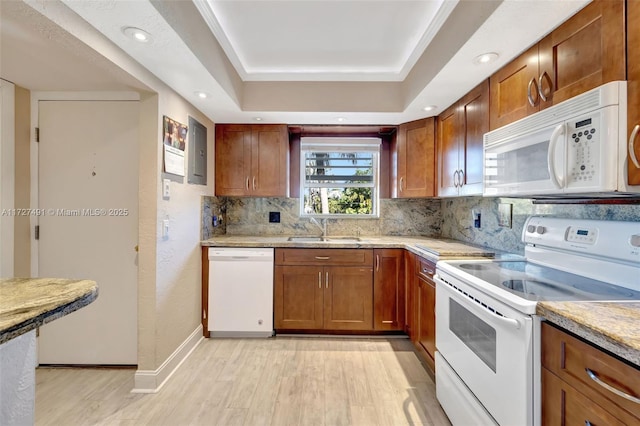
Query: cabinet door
[[448, 151], [426, 299], [633, 87], [511, 87], [585, 52], [415, 156], [233, 159], [348, 298], [388, 289], [298, 296], [269, 146], [474, 110], [564, 405]]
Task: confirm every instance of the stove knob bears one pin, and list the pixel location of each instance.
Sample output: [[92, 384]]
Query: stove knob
[[635, 240], [541, 230], [531, 228]]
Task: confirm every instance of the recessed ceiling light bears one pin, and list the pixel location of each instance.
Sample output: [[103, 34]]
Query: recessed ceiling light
[[137, 34], [341, 119], [485, 58], [202, 95], [430, 108], [257, 118]]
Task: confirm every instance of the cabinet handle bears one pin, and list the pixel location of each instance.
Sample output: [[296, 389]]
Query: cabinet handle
[[326, 280], [455, 179], [387, 322], [323, 257], [247, 183], [377, 262], [593, 376], [401, 179], [427, 271], [461, 176], [253, 183], [540, 90], [319, 279], [632, 142], [529, 96], [587, 423]]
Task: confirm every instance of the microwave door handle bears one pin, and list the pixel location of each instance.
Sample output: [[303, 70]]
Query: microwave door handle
[[632, 142], [553, 141]]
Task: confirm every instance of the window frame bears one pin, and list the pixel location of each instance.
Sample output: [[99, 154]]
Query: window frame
[[336, 145]]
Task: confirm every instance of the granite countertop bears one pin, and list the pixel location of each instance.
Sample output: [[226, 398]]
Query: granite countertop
[[613, 326], [431, 248], [28, 303]]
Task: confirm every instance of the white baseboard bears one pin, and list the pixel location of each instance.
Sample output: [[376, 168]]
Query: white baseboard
[[151, 381]]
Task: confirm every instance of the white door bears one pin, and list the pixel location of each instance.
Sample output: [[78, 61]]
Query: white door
[[88, 188]]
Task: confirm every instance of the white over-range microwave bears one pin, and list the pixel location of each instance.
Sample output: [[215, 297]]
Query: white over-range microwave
[[577, 148]]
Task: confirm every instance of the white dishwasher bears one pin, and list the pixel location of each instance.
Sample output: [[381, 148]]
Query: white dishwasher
[[240, 292]]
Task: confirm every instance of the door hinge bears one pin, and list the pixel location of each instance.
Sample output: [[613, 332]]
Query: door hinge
[[37, 134], [37, 232]]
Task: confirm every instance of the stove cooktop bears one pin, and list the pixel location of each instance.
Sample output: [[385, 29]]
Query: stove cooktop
[[534, 282]]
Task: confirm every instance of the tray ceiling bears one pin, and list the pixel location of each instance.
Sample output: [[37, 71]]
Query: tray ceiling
[[301, 61]]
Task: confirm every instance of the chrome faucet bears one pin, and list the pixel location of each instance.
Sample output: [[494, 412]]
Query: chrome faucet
[[322, 227]]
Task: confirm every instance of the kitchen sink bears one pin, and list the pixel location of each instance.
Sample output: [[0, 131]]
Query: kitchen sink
[[342, 239], [327, 239], [305, 239]]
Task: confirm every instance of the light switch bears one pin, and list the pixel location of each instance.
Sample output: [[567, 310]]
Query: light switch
[[166, 188], [165, 228]]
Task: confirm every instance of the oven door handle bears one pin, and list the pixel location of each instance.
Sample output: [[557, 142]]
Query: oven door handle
[[476, 306]]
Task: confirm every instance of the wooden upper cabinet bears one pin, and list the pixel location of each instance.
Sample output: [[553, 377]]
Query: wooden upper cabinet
[[251, 160], [514, 89], [233, 165], [583, 53], [414, 154], [460, 131], [633, 89]]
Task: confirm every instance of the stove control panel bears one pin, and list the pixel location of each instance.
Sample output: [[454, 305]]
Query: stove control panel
[[600, 238], [579, 234]]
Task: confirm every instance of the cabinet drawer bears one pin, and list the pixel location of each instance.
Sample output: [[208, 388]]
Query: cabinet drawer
[[569, 358], [563, 405], [425, 268], [352, 257]]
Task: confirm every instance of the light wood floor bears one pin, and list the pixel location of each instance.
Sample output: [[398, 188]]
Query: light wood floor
[[279, 381]]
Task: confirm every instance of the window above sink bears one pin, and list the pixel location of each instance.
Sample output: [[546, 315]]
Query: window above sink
[[339, 177]]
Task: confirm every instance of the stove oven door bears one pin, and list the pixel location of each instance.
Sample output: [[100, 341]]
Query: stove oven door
[[489, 346]]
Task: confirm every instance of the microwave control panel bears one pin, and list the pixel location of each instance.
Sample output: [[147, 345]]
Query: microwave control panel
[[583, 140]]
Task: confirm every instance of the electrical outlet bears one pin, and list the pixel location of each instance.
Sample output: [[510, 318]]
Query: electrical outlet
[[505, 212], [274, 217], [166, 188]]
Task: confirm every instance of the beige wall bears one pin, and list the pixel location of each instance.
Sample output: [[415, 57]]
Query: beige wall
[[178, 267], [22, 229], [168, 270]]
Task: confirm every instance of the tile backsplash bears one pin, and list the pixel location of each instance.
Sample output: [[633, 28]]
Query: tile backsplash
[[448, 218], [457, 222], [250, 216]]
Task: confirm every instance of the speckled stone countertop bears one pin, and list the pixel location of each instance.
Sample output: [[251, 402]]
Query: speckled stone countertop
[[614, 326], [431, 248], [27, 303]]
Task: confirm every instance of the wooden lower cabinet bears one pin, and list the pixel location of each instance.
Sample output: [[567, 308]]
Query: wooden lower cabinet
[[321, 296], [564, 405], [298, 297], [348, 298], [388, 289], [425, 309], [570, 396]]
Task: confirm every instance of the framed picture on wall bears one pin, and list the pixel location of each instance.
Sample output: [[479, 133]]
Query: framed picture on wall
[[174, 140]]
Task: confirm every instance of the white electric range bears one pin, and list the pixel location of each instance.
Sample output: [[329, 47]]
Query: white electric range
[[487, 333]]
